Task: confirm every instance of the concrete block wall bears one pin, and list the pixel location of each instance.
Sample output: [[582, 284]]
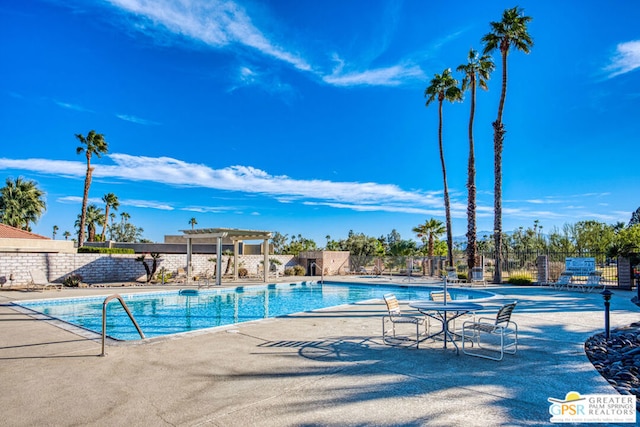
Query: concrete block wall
[[103, 268]]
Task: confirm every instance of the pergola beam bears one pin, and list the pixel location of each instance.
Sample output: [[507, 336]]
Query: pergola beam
[[235, 235]]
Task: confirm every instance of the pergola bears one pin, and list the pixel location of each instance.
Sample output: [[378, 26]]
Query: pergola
[[236, 236]]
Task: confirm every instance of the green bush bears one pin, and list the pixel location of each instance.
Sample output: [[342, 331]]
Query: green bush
[[462, 276], [517, 279], [92, 250], [299, 270], [289, 271]]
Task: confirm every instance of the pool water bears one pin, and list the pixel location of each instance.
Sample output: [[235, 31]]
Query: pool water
[[171, 312]]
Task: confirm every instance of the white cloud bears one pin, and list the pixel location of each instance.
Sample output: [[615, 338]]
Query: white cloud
[[123, 202], [389, 76], [217, 23], [74, 107], [245, 179], [136, 120], [626, 58]]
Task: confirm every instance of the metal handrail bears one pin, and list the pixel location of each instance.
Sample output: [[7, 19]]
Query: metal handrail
[[104, 318], [321, 272]]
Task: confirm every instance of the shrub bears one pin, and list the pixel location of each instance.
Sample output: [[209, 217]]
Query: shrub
[[289, 271], [243, 272], [462, 276], [92, 250], [72, 280], [519, 279], [299, 270]]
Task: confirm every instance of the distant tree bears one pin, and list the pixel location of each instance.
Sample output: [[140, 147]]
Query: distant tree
[[592, 236], [55, 231], [193, 222], [561, 240], [66, 235], [626, 243], [403, 248], [361, 247], [110, 201], [299, 244], [444, 87], [510, 32], [635, 218], [124, 231], [95, 145], [430, 231], [278, 241], [477, 72], [21, 203]]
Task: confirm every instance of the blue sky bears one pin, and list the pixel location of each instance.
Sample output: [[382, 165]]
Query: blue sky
[[309, 117]]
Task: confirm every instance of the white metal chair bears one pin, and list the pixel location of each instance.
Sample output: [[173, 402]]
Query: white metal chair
[[396, 316], [452, 277], [501, 329], [594, 281], [564, 281], [477, 276]]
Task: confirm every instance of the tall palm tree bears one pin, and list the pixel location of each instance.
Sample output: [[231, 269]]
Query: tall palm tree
[[66, 235], [55, 231], [508, 33], [94, 217], [476, 71], [193, 222], [430, 230], [111, 201], [444, 87], [95, 144], [21, 202]]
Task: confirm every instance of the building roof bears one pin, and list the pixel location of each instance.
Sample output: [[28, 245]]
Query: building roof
[[232, 233], [8, 232]]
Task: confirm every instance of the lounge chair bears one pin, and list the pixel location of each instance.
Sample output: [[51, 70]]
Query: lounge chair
[[501, 329], [181, 275], [40, 282], [594, 281], [477, 276], [564, 281], [452, 277], [396, 316]]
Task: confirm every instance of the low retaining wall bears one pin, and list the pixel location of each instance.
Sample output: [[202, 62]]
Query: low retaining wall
[[103, 268]]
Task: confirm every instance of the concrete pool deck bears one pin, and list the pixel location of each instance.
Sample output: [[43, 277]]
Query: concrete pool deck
[[326, 368]]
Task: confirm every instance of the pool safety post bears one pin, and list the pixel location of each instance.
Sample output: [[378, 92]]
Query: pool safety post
[[606, 294]]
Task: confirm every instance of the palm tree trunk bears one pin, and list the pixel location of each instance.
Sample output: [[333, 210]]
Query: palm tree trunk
[[447, 209], [498, 140], [104, 224], [85, 198], [472, 247]]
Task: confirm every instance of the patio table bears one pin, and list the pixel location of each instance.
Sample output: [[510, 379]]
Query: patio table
[[444, 312]]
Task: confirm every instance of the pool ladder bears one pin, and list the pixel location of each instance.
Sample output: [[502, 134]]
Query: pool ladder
[[104, 318]]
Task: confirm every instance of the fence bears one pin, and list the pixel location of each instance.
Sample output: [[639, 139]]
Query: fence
[[516, 263]]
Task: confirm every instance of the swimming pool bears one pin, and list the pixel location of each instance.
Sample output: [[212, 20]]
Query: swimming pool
[[172, 312]]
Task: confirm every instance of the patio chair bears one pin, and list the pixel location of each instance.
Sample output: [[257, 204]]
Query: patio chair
[[39, 281], [396, 316], [564, 281], [594, 281], [477, 276], [501, 329], [452, 277], [181, 275]]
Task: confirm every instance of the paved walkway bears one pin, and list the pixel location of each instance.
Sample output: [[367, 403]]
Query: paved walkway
[[325, 368]]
